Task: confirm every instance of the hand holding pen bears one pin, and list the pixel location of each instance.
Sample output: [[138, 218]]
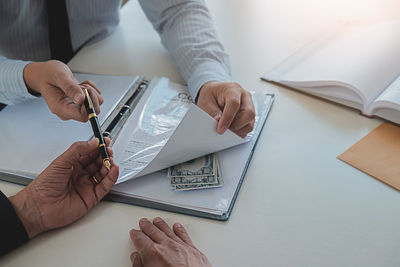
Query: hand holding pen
[[54, 81]]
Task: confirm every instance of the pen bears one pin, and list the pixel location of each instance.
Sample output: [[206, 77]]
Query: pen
[[94, 121]]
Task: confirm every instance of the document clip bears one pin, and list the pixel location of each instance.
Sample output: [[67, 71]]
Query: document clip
[[115, 121]]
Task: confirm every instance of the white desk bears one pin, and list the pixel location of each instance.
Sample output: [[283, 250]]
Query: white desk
[[299, 205]]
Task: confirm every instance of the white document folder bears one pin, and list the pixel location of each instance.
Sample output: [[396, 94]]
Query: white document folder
[[153, 190], [164, 129]]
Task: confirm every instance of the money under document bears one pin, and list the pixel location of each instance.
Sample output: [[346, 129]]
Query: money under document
[[200, 173]]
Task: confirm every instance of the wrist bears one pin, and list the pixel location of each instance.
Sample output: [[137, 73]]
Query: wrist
[[29, 78], [208, 85], [27, 211]]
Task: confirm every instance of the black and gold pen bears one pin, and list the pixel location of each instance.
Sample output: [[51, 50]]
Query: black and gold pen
[[94, 121]]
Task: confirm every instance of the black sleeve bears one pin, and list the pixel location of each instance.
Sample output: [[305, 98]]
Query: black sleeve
[[12, 231]]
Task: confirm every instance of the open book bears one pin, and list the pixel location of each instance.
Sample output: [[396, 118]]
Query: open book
[[356, 64]]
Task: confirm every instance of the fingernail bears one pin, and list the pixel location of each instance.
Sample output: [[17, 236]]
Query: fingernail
[[217, 117], [133, 257], [157, 219], [222, 129], [143, 220], [178, 225]]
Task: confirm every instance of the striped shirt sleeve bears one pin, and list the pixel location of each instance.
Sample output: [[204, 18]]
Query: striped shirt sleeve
[[12, 86], [186, 30]]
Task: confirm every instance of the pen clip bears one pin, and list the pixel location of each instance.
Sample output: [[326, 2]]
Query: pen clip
[[85, 91]]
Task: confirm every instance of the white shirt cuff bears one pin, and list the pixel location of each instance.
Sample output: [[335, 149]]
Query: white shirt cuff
[[12, 85]]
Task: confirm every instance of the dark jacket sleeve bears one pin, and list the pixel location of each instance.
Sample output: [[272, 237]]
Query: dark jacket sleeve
[[12, 231]]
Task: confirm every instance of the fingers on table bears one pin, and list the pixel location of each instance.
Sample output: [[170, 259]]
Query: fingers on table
[[159, 231], [180, 231], [153, 232], [140, 240], [136, 259], [164, 227]]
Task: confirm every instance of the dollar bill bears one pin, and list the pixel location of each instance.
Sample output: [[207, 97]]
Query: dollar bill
[[181, 180], [185, 187], [203, 166], [187, 176]]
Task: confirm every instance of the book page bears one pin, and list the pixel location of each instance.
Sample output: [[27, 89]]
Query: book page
[[390, 98], [360, 56]]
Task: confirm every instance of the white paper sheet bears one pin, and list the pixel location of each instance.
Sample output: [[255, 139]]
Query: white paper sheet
[[167, 129]]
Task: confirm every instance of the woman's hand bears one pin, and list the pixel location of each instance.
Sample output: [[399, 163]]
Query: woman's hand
[[66, 189]]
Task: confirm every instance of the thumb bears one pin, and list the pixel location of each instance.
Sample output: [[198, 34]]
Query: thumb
[[69, 85]]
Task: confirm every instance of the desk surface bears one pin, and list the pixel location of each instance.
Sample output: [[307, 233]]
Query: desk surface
[[299, 205]]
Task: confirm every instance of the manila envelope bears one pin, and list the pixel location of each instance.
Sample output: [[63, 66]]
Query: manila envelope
[[378, 154]]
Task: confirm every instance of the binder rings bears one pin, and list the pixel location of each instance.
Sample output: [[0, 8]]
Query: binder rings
[[153, 125]]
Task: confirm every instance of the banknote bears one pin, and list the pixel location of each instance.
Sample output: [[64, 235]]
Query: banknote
[[210, 179], [203, 166], [185, 187], [188, 175]]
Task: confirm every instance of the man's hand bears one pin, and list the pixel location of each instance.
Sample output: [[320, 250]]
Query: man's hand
[[159, 245], [230, 104], [62, 92], [65, 191]]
